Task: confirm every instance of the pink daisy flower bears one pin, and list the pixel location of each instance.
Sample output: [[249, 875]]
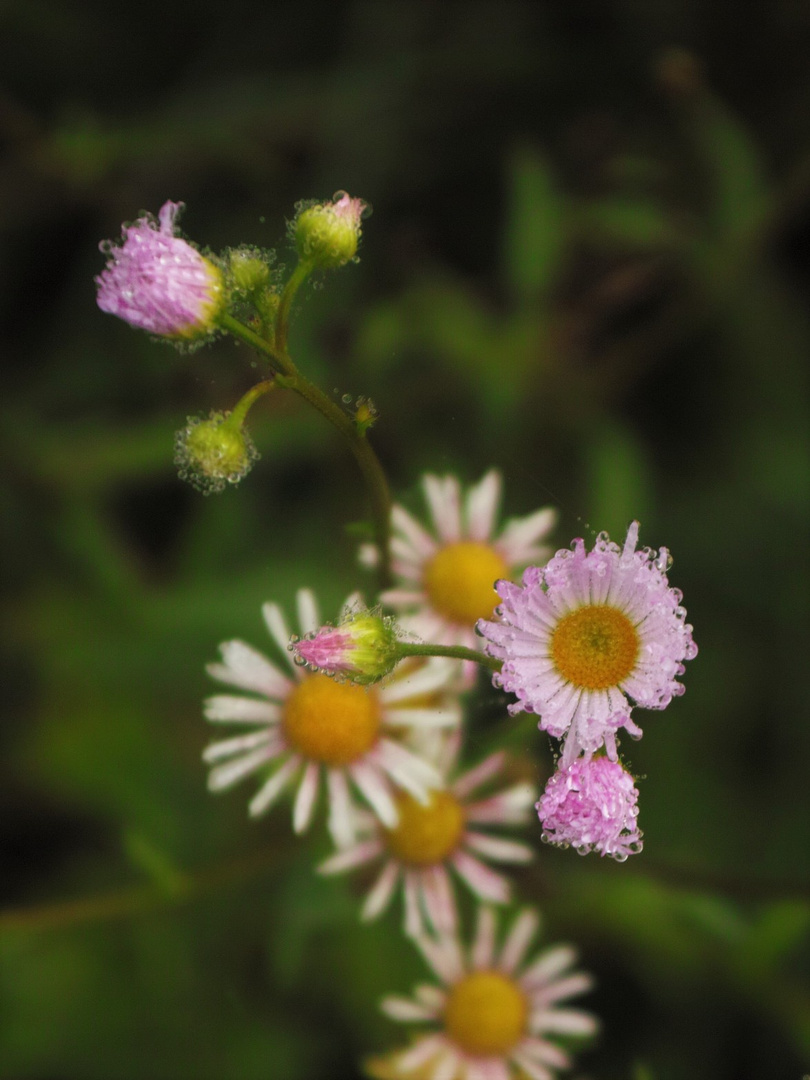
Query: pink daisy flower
[[493, 1013], [158, 282], [587, 633], [434, 838], [447, 575], [304, 727], [592, 806]]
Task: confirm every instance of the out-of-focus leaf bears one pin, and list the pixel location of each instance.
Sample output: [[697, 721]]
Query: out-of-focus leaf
[[620, 482], [738, 189], [534, 231], [636, 223]]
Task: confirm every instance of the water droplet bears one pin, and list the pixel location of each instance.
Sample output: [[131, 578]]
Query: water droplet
[[346, 399]]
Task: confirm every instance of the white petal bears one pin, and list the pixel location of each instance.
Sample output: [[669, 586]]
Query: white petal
[[226, 748], [268, 794], [309, 619], [437, 718], [485, 883], [523, 930], [549, 965], [225, 776], [230, 709], [439, 901], [483, 949], [531, 1068], [519, 536], [423, 1050], [483, 500], [414, 924], [305, 797], [421, 542], [373, 788], [475, 777], [246, 668], [493, 847], [443, 497], [342, 822], [277, 625], [381, 892], [407, 770], [565, 1022], [351, 857], [437, 674]]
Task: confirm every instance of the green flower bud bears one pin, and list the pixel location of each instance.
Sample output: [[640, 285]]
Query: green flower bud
[[214, 452], [326, 234]]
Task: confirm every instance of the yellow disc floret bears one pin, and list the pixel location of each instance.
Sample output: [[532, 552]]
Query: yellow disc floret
[[486, 1013], [335, 723], [595, 647], [460, 581], [427, 834]]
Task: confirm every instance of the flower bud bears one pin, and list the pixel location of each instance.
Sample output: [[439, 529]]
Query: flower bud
[[591, 805], [158, 282], [362, 647], [249, 270], [326, 234], [214, 452]]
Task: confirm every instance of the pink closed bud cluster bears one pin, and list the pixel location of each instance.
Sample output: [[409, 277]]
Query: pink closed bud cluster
[[158, 282], [592, 806]]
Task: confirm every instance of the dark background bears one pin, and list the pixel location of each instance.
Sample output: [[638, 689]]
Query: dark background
[[587, 264]]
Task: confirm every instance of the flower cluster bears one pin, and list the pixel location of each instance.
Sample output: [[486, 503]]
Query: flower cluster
[[368, 714]]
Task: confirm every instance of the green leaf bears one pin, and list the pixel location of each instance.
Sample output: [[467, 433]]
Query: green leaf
[[534, 234]]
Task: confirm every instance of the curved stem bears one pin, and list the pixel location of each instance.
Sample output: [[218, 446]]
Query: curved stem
[[294, 283], [376, 482], [240, 409], [456, 652], [290, 377]]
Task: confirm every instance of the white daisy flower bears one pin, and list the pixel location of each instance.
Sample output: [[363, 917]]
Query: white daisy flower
[[493, 1014], [434, 838], [304, 726]]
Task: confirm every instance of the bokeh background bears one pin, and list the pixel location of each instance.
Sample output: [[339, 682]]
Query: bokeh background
[[587, 265]]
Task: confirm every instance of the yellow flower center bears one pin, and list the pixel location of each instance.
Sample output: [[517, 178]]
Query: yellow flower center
[[426, 835], [332, 722], [486, 1013], [460, 581], [594, 647]]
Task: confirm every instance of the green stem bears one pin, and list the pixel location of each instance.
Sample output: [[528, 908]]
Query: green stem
[[456, 652], [291, 378], [279, 361], [296, 280], [240, 409], [369, 463]]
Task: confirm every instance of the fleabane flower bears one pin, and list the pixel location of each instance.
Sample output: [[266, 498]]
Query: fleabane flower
[[446, 575], [327, 234], [493, 1013], [361, 648], [305, 726], [591, 805], [158, 282], [587, 634], [440, 839]]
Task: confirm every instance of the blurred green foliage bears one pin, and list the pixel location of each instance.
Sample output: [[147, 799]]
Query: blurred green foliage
[[586, 267]]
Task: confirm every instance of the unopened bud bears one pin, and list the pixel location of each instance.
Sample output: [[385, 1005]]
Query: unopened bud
[[214, 452], [361, 648], [326, 234]]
